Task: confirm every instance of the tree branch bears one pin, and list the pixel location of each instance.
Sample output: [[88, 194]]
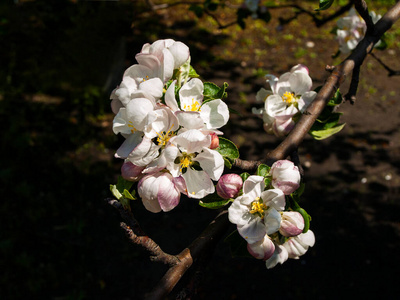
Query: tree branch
[[206, 240], [137, 236], [338, 75]]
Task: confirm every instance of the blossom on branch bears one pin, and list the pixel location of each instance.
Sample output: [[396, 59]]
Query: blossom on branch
[[290, 95]]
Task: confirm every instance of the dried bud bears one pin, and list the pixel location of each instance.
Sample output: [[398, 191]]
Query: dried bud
[[229, 185], [214, 141], [131, 172], [292, 223]]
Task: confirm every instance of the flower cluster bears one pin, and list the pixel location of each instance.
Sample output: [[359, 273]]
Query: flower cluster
[[289, 96], [351, 29], [273, 230], [170, 128]]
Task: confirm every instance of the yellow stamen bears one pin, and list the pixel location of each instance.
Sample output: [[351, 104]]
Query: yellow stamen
[[133, 129], [258, 208], [195, 106], [288, 97], [164, 137]]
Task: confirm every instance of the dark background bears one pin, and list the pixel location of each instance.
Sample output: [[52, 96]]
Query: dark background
[[60, 240]]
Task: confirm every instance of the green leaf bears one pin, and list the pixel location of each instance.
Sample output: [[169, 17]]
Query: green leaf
[[336, 99], [128, 195], [193, 73], [228, 150], [237, 245], [244, 176], [215, 204], [323, 134], [263, 170], [324, 4], [213, 91], [115, 192]]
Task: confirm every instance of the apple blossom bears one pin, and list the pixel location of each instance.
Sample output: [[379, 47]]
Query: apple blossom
[[298, 245], [163, 57], [192, 112], [188, 155], [285, 176], [131, 172], [158, 192], [292, 223], [262, 249], [351, 30], [256, 212], [290, 95], [229, 185]]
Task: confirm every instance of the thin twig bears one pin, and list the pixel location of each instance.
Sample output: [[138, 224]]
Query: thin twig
[[391, 72], [355, 78], [137, 236]]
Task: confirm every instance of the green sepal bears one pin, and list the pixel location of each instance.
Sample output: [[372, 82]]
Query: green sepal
[[228, 150], [193, 73], [263, 170], [237, 245], [244, 176], [296, 207], [336, 99], [324, 4], [121, 191]]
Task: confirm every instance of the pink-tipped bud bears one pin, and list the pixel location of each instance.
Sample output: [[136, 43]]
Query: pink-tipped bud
[[263, 249], [229, 185], [214, 141], [292, 223], [131, 172]]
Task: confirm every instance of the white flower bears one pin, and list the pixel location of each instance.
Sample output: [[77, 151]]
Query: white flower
[[188, 155], [298, 245], [163, 57], [351, 30], [158, 192], [262, 249], [193, 113], [292, 223], [290, 94], [285, 176], [256, 212], [293, 248]]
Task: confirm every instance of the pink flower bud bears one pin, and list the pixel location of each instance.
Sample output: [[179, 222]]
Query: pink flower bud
[[292, 223], [131, 172], [263, 249], [229, 185], [214, 141], [285, 176]]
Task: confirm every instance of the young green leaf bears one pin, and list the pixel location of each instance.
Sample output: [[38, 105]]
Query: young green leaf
[[324, 4], [325, 133], [228, 150], [263, 170]]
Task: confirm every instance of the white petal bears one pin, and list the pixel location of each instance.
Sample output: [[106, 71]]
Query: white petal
[[153, 86], [170, 97], [211, 162], [128, 145], [167, 65], [272, 221], [191, 141], [306, 100], [300, 83], [198, 183], [180, 52], [190, 94], [144, 153], [253, 231], [253, 186], [190, 119], [280, 256], [137, 111], [215, 113]]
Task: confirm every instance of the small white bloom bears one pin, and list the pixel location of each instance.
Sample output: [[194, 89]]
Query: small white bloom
[[290, 94], [256, 212], [158, 192], [188, 155], [285, 176]]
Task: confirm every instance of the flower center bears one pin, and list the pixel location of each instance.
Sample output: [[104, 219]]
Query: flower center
[[164, 137], [288, 98], [258, 207], [130, 125], [186, 161], [145, 78], [195, 106]]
